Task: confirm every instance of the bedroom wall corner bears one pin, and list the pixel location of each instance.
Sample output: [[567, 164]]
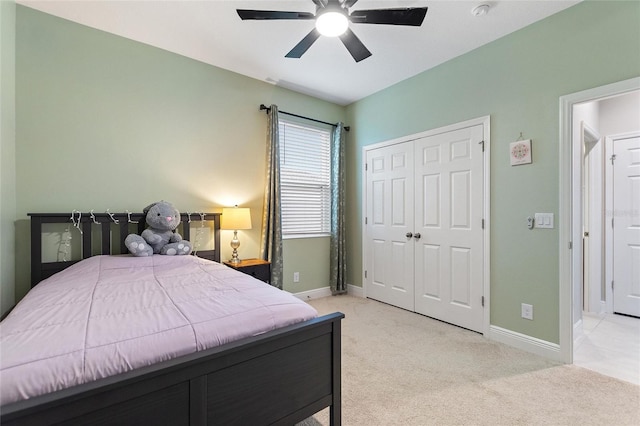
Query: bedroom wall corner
[[7, 154], [103, 105], [522, 77]]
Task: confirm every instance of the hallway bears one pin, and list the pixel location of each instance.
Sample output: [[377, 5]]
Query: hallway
[[610, 345]]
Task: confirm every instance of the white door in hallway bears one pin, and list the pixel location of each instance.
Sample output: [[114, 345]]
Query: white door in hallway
[[626, 226], [449, 202], [389, 207]]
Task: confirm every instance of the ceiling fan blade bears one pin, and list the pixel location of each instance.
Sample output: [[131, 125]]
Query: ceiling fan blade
[[408, 16], [354, 46], [304, 44], [348, 3], [272, 14], [320, 3]]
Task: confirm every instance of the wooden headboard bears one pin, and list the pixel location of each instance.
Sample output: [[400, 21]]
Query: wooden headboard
[[106, 222]]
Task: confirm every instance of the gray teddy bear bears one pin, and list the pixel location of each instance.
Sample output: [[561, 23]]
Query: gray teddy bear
[[162, 218]]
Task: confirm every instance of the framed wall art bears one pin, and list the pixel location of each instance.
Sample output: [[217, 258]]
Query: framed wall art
[[520, 152]]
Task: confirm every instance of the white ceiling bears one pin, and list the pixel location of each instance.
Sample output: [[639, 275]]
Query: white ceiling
[[211, 31]]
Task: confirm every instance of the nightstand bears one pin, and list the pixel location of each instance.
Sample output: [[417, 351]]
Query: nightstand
[[258, 268]]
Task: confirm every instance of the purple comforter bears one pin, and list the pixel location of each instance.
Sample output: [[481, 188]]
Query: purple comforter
[[110, 314]]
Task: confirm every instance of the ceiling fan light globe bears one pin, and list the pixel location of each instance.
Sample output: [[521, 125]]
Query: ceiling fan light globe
[[332, 24]]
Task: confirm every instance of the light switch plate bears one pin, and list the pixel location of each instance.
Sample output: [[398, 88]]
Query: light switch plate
[[544, 220]]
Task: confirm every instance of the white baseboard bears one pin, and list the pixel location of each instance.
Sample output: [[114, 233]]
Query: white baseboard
[[354, 290], [525, 343], [316, 293]]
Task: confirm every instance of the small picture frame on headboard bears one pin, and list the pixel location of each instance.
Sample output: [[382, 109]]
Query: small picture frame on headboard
[[520, 152]]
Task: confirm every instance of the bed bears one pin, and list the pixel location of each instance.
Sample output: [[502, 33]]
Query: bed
[[280, 373]]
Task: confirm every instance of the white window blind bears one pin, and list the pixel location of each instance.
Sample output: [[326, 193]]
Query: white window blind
[[305, 179]]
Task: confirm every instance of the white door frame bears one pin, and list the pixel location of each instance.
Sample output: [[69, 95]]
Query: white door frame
[[592, 251], [486, 186], [566, 213]]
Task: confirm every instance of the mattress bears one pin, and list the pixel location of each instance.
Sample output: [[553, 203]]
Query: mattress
[[110, 314]]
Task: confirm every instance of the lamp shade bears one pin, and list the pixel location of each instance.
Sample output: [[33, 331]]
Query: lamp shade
[[235, 218]]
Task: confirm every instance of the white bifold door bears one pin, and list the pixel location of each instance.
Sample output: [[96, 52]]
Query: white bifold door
[[424, 226]]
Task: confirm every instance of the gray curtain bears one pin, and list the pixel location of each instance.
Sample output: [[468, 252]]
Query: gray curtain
[[271, 241], [338, 263]]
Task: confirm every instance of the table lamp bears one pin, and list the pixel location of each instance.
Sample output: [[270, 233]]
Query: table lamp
[[235, 218]]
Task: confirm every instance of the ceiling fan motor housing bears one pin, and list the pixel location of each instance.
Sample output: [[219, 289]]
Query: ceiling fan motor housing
[[332, 20], [339, 10]]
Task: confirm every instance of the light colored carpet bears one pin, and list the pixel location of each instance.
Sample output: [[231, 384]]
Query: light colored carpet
[[401, 368]]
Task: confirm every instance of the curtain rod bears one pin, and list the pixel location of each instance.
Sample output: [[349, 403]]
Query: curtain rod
[[264, 107]]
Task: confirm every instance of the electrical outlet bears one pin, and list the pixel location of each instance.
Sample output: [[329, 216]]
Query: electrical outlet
[[527, 311], [296, 277]]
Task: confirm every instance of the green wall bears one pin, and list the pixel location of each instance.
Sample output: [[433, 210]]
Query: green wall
[[7, 154], [104, 122], [518, 80], [309, 257]]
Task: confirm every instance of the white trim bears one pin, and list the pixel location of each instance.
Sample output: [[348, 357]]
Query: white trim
[[565, 205], [317, 293], [485, 121], [487, 224], [355, 291], [608, 234], [525, 343], [451, 127]]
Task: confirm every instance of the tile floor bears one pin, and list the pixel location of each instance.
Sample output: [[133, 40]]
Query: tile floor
[[610, 345]]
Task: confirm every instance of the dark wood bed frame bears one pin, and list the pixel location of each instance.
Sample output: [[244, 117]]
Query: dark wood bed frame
[[280, 377]]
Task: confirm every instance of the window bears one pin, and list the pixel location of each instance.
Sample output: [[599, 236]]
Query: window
[[305, 179]]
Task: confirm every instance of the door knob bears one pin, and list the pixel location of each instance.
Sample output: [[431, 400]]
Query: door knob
[[417, 236], [409, 235]]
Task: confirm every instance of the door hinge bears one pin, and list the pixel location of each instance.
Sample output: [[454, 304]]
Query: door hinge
[[481, 143], [611, 284], [570, 245], [482, 223], [366, 166], [366, 220], [611, 223], [365, 273], [482, 301], [613, 158]]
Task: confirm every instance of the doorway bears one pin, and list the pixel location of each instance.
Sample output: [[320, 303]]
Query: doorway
[[586, 261]]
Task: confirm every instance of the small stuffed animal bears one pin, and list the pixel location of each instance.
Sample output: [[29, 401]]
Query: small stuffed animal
[[162, 218]]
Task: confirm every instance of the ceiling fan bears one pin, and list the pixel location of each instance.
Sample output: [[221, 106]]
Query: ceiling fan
[[332, 19]]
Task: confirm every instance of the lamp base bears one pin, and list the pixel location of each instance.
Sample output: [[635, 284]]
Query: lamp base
[[235, 243]]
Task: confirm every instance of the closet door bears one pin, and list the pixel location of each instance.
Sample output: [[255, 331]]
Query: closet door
[[389, 246], [449, 209]]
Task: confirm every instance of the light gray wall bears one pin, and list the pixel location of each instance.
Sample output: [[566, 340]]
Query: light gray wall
[[620, 114]]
